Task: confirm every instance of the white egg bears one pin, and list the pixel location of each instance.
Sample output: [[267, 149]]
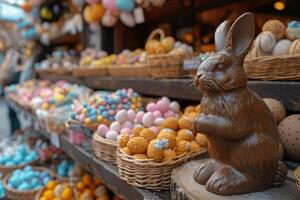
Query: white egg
[[174, 106], [148, 119], [127, 19], [159, 121], [112, 135], [122, 116], [116, 126], [36, 101], [166, 99], [282, 47]]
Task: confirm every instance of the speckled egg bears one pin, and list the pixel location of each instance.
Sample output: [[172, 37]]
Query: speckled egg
[[276, 107], [282, 47], [276, 27], [289, 131]]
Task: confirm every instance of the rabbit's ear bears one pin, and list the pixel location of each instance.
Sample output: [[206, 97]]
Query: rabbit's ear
[[221, 35], [241, 35]]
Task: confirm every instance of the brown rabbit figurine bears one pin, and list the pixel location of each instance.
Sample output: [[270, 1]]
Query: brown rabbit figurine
[[244, 145]]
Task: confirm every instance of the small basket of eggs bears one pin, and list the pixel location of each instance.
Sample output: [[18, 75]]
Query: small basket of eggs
[[26, 183], [275, 53], [147, 156], [165, 56]]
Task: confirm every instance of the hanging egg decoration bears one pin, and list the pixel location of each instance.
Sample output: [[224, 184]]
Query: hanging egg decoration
[[93, 13], [125, 5], [127, 19], [109, 20]]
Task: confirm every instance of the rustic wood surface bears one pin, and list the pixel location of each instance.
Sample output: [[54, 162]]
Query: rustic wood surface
[[184, 187]]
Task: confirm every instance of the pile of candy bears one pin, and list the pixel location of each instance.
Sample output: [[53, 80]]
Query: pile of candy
[[20, 155], [28, 179], [102, 108]]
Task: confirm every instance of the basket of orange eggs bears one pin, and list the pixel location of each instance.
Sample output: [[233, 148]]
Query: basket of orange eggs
[[86, 187], [146, 158]]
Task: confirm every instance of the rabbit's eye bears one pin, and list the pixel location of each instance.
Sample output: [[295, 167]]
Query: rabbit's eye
[[220, 66]]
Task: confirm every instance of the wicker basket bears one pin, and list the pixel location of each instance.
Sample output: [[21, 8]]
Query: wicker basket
[[6, 170], [134, 70], [148, 174], [13, 194], [167, 65], [286, 67], [104, 149], [297, 175], [90, 71]]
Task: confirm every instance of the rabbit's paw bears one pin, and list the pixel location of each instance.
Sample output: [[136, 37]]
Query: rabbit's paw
[[205, 170], [226, 181]]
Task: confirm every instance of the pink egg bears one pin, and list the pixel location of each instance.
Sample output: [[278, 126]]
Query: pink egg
[[162, 106], [102, 130], [111, 112], [125, 131], [157, 114], [82, 118], [139, 116], [154, 129], [148, 119], [169, 114], [102, 102], [174, 106], [131, 115], [116, 126], [120, 106], [151, 107], [127, 124], [125, 100], [107, 107]]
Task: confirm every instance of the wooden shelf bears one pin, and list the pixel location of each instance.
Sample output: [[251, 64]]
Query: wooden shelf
[[288, 92]]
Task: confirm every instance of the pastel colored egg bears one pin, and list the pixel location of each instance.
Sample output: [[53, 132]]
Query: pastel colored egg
[[139, 116], [162, 106], [116, 126], [174, 106], [122, 116], [148, 119], [154, 129], [127, 124], [102, 130], [111, 112], [166, 100], [157, 114], [125, 131], [131, 115], [159, 121], [169, 114], [82, 118], [151, 107], [112, 135]]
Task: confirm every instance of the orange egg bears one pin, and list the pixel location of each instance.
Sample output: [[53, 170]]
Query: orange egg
[[67, 194], [80, 186], [86, 180], [51, 185], [49, 194]]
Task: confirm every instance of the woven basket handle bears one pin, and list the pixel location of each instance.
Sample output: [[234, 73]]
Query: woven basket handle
[[156, 32]]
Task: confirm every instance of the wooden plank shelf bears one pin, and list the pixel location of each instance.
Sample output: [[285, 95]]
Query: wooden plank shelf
[[288, 92]]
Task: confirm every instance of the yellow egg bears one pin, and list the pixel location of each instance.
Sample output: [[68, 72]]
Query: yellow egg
[[49, 194], [51, 185], [84, 111], [80, 186], [67, 194], [99, 118], [87, 121], [45, 106], [43, 198]]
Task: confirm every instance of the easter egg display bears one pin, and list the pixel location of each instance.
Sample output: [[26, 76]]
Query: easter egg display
[[65, 168], [87, 188], [28, 179], [22, 155], [102, 109]]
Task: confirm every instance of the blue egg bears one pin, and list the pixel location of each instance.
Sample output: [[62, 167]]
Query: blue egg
[[29, 175], [37, 187], [27, 168], [105, 114], [44, 174], [24, 186], [111, 118], [34, 182], [17, 172], [73, 115], [101, 108], [10, 163], [14, 181], [46, 180]]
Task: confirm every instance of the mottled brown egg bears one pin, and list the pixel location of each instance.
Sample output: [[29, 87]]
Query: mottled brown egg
[[289, 131], [276, 107], [276, 27]]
